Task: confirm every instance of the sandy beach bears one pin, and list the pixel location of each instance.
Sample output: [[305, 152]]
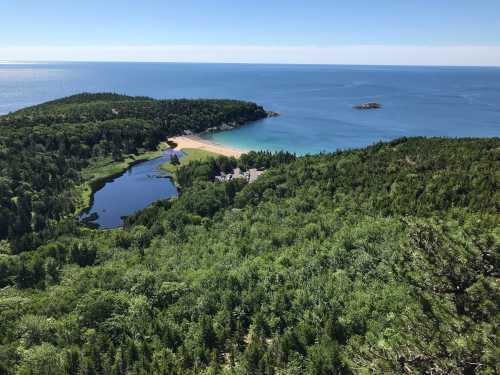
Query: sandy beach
[[193, 141]]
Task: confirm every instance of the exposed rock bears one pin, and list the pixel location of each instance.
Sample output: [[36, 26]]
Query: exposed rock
[[368, 106], [230, 126], [227, 126], [212, 129], [272, 114]]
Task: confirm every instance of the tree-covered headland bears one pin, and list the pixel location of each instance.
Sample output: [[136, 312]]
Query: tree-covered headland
[[378, 260], [48, 149]]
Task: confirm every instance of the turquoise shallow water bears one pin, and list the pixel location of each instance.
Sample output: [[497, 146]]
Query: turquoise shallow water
[[315, 102]]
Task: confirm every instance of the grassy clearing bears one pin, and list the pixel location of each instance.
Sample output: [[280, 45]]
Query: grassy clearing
[[105, 169], [192, 154]]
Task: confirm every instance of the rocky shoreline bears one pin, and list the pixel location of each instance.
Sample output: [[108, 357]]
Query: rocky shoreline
[[272, 114], [231, 125]]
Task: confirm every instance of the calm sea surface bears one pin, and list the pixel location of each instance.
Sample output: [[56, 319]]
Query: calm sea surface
[[315, 103]]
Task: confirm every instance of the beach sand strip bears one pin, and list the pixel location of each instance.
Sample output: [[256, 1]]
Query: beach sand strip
[[193, 141]]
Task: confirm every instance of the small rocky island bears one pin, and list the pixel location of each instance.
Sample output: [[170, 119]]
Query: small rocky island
[[368, 106]]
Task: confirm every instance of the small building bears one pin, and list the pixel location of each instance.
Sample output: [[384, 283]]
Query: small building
[[254, 174], [251, 175]]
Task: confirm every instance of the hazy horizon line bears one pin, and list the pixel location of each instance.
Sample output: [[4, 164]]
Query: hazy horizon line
[[374, 55], [41, 62]]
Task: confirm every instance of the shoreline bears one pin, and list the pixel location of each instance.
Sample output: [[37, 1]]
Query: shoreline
[[196, 142]]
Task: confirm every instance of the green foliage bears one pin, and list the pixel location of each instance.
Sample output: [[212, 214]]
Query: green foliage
[[44, 359], [379, 260], [190, 155], [200, 167], [83, 253], [47, 150]]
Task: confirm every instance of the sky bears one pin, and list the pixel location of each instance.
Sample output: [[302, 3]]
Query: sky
[[427, 32]]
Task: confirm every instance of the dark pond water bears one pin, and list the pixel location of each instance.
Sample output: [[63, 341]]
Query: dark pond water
[[137, 188]]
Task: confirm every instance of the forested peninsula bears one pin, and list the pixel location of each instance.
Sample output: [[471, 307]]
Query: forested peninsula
[[52, 154], [376, 260]]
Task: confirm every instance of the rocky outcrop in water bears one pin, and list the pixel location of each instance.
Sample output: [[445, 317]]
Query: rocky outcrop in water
[[368, 106]]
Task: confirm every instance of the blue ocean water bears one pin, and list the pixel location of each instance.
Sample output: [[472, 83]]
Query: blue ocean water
[[315, 101]]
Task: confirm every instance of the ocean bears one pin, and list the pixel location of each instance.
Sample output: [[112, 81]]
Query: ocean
[[315, 101]]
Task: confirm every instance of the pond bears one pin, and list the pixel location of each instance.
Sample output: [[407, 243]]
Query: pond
[[138, 187]]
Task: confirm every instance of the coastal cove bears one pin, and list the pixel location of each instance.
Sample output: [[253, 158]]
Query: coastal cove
[[140, 180]]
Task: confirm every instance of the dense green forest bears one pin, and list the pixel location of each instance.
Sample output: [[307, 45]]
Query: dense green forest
[[44, 149], [378, 260]]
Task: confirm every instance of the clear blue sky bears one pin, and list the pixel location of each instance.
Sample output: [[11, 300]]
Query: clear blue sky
[[271, 22], [253, 22]]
